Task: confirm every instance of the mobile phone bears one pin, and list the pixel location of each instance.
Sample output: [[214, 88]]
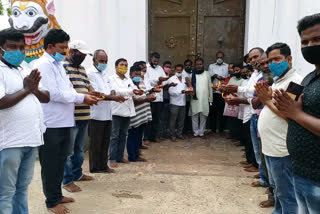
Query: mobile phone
[[294, 90]]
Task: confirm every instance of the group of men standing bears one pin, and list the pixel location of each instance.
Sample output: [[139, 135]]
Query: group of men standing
[[280, 135]]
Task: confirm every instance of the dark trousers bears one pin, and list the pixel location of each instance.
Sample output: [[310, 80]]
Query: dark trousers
[[187, 120], [99, 133], [118, 138], [234, 125], [217, 120], [164, 119], [246, 141], [177, 114], [133, 142], [147, 133], [153, 129], [53, 155]]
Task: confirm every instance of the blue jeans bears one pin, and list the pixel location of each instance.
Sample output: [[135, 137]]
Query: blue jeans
[[281, 179], [16, 172], [118, 139], [307, 194], [133, 143], [73, 166], [256, 142]]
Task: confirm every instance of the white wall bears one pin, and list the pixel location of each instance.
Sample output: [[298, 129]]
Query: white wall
[[271, 21], [117, 26]]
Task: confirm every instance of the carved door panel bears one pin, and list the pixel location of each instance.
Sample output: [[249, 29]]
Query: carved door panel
[[172, 29], [221, 26]]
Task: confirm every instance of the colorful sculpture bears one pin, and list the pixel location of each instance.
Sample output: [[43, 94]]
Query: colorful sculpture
[[34, 18]]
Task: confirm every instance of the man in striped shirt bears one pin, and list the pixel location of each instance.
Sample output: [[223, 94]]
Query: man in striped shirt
[[142, 117], [79, 79]]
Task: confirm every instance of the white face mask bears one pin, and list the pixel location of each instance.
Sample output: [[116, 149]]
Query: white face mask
[[179, 74], [219, 61]]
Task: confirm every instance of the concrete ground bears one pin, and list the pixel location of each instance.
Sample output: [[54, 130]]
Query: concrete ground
[[193, 176]]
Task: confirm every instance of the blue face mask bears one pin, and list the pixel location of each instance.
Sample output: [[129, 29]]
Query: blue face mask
[[102, 67], [58, 57], [136, 79], [278, 69], [14, 58]]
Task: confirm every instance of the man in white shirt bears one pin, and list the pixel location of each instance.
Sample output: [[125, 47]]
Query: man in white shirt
[[273, 128], [58, 117], [21, 123], [100, 115], [218, 72], [177, 103], [155, 76], [255, 55], [201, 99], [121, 112], [187, 74]]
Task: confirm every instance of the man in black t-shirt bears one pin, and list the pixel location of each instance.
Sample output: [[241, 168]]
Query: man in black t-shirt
[[303, 138]]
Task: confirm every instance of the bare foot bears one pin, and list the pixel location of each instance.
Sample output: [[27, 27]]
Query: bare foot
[[124, 161], [147, 142], [72, 188], [266, 204], [251, 169], [65, 200], [140, 159], [257, 176], [256, 184], [59, 209], [86, 178], [114, 165]]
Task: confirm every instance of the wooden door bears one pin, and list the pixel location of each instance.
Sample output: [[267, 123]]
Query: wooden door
[[181, 29], [172, 29], [221, 27]]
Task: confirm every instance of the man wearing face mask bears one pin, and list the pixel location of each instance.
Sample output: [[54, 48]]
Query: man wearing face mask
[[155, 76], [143, 116], [273, 128], [100, 115], [78, 51], [187, 74], [177, 103], [59, 118], [121, 112], [201, 99], [218, 72], [21, 124], [304, 121]]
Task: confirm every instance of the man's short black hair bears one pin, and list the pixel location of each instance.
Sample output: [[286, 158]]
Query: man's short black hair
[[10, 34], [249, 67], [155, 55], [199, 59], [257, 48], [237, 66], [95, 54], [307, 22], [219, 52], [135, 68], [187, 60], [167, 63], [55, 36], [178, 66], [120, 60], [245, 58], [283, 47]]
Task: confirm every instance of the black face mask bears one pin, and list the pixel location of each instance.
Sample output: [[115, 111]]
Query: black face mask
[[244, 76], [153, 65], [188, 70], [238, 75], [77, 59], [268, 76], [312, 54]]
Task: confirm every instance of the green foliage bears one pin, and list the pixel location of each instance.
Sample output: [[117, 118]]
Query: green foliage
[[9, 11], [1, 8]]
